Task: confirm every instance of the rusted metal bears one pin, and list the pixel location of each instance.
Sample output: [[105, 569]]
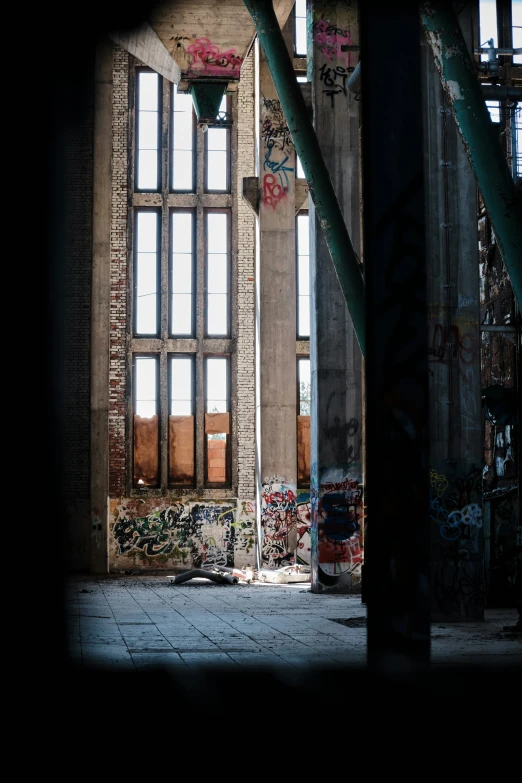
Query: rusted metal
[[459, 80]]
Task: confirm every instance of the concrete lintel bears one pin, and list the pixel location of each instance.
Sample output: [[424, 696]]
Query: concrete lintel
[[301, 195], [144, 44], [251, 193]]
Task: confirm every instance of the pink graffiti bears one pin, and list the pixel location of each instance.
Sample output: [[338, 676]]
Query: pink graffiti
[[273, 191], [213, 60], [329, 40]]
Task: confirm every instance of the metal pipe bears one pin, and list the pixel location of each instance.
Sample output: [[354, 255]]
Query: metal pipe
[[305, 141], [500, 92], [488, 163]]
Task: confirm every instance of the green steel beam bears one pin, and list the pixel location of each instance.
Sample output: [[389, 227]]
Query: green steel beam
[[460, 82], [307, 146]]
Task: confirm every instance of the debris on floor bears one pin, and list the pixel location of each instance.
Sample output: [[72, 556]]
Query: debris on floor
[[286, 575], [214, 574]]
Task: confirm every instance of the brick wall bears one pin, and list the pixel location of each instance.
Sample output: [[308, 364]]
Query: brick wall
[[245, 298], [118, 306]]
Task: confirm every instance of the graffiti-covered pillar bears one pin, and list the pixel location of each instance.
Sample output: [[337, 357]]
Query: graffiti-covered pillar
[[336, 413], [276, 324], [457, 543]]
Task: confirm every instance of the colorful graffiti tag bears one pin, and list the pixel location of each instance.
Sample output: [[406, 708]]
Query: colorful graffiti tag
[[339, 520], [204, 56], [194, 533], [278, 518]]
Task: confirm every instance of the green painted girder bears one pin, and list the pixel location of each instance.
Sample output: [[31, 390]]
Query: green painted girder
[[305, 141], [459, 80]]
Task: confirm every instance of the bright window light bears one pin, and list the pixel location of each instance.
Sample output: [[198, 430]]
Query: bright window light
[[182, 273], [303, 278], [147, 168], [145, 380]]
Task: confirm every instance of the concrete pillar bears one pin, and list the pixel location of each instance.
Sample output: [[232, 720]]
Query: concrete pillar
[[99, 562], [276, 324], [456, 516], [396, 569], [336, 412]]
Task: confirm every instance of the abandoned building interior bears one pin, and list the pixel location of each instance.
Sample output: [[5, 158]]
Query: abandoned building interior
[[290, 304]]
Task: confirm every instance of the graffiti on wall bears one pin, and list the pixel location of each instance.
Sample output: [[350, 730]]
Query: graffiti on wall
[[200, 55], [330, 39], [278, 519], [455, 509], [245, 534], [278, 156], [304, 524], [191, 533], [339, 528], [335, 45], [447, 343]]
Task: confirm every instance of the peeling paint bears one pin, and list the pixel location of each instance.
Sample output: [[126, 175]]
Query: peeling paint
[[454, 91]]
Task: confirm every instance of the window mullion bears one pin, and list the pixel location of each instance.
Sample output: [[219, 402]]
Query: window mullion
[[164, 416], [200, 417]]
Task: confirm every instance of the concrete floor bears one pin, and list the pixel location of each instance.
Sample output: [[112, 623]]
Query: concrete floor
[[138, 623]]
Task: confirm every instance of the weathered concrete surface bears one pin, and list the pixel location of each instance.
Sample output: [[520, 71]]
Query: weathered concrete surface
[[102, 190], [336, 417], [136, 622], [277, 472], [456, 518], [145, 45]]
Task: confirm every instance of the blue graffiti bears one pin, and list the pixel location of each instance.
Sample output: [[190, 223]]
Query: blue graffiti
[[277, 167]]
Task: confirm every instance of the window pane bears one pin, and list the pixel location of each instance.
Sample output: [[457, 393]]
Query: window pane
[[217, 139], [182, 232], [145, 386], [217, 171], [217, 274], [147, 227], [303, 237], [300, 171], [216, 378], [181, 387], [182, 273], [217, 232], [494, 110], [488, 24], [182, 142], [217, 314], [148, 130], [304, 316], [304, 387], [148, 91], [181, 315], [146, 276], [516, 18], [146, 272], [300, 27], [146, 322], [304, 275], [147, 169], [183, 162]]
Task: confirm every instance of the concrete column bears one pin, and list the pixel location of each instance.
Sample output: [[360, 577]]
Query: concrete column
[[336, 413], [396, 569], [456, 517], [276, 323], [99, 562]]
